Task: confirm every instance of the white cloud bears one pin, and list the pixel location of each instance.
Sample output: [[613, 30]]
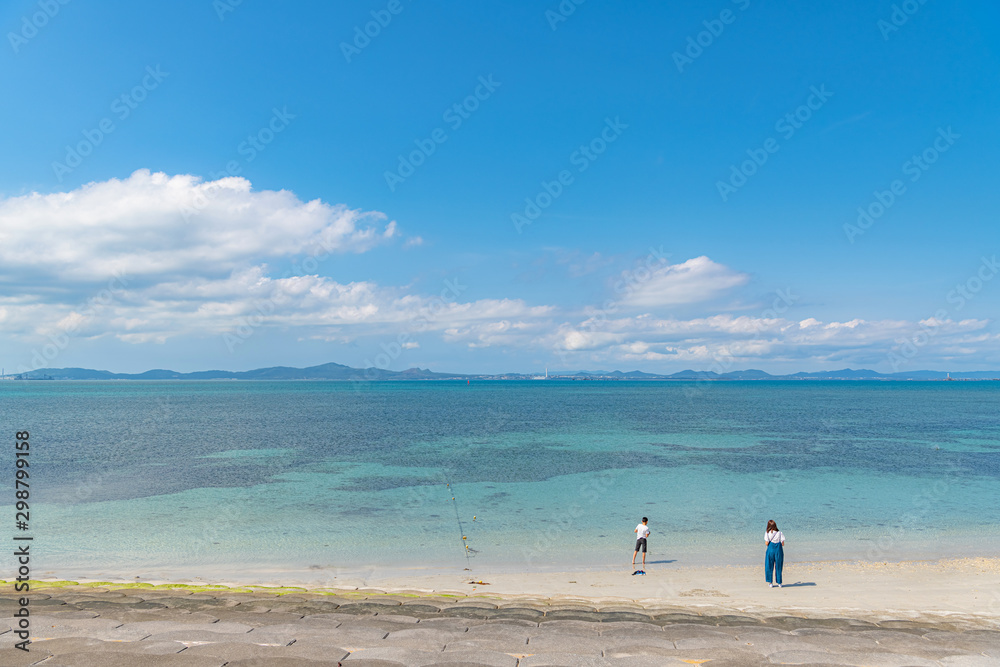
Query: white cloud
[[729, 342], [194, 257], [314, 306], [190, 259], [153, 225], [696, 280], [575, 339]]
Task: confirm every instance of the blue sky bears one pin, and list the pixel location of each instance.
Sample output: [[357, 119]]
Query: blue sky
[[248, 207]]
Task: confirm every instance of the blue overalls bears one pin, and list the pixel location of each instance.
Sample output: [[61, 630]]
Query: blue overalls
[[773, 560]]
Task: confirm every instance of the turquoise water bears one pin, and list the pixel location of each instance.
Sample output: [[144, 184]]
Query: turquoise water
[[312, 480]]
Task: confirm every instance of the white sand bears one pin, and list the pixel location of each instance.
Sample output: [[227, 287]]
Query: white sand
[[963, 587], [966, 588]]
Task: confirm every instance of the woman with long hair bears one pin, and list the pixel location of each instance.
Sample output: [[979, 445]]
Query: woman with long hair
[[774, 557]]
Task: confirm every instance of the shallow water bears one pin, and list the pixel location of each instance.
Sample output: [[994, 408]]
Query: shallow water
[[246, 479]]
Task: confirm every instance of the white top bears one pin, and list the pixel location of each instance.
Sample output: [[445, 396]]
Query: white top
[[774, 537], [642, 531]]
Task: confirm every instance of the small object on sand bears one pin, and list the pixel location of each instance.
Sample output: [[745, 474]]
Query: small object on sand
[[638, 572], [480, 583]]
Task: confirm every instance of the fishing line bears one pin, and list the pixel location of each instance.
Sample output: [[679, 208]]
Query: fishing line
[[458, 520]]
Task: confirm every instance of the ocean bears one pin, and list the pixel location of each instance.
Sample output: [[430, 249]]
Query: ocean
[[311, 481]]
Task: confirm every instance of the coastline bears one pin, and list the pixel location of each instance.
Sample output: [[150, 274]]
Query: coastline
[[954, 587], [929, 613]]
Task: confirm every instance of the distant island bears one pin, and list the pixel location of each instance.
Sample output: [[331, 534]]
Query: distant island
[[333, 371]]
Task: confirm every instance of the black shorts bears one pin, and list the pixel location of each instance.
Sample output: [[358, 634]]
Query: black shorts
[[640, 544]]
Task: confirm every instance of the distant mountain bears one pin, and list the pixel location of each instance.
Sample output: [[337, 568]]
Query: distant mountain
[[845, 374], [323, 372], [631, 375], [694, 375], [640, 375], [333, 371], [863, 374], [750, 374]]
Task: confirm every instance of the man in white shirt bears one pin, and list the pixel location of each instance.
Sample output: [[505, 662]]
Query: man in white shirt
[[642, 532]]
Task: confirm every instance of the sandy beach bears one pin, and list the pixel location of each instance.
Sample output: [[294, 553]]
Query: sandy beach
[[909, 613], [955, 586]]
